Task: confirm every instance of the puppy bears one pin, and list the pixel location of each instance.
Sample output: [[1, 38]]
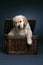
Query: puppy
[[22, 28]]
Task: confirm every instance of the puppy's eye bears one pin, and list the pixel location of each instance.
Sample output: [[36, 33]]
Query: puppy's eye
[[20, 21]]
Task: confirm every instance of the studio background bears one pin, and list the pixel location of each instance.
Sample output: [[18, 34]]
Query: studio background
[[32, 9]]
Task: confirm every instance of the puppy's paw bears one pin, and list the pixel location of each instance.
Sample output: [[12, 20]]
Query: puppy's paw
[[29, 41]]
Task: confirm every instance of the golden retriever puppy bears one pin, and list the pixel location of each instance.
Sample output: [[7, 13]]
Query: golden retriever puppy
[[22, 28]]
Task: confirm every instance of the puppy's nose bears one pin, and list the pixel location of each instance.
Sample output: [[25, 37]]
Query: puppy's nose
[[18, 27]]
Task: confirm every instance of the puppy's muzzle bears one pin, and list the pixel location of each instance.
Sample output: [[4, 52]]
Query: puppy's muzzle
[[18, 27]]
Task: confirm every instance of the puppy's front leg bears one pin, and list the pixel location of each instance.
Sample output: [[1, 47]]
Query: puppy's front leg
[[29, 36], [29, 41]]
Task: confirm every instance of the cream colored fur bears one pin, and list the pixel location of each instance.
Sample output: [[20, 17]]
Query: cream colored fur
[[20, 21]]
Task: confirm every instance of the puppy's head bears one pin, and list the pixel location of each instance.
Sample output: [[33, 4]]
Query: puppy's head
[[20, 21]]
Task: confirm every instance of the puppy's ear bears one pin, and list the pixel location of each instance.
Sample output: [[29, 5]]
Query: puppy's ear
[[13, 21], [25, 21]]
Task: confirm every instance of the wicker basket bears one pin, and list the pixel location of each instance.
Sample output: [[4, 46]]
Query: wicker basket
[[19, 45]]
